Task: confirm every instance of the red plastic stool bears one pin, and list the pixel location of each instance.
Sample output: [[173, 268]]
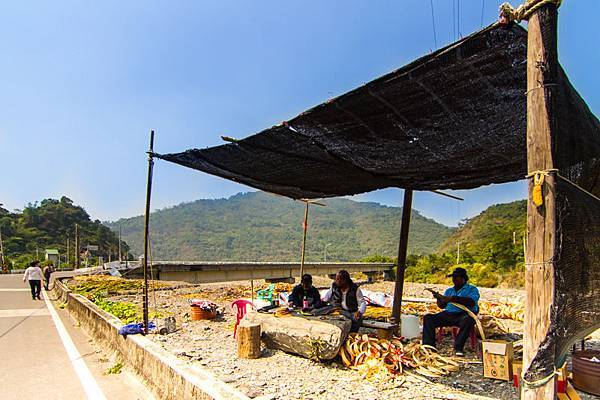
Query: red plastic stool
[[241, 308]]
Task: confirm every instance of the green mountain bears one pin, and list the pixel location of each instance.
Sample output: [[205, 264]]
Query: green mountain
[[257, 226], [46, 225], [494, 236], [491, 249]]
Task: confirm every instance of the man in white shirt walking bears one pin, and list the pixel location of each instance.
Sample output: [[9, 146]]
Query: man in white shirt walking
[[346, 294], [33, 274]]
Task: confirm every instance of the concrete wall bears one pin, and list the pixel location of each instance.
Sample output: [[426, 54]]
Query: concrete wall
[[169, 377]]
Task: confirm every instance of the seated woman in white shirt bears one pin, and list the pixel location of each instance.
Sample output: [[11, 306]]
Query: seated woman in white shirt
[[346, 294]]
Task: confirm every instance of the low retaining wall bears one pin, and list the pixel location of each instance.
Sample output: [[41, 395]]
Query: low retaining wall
[[168, 376]]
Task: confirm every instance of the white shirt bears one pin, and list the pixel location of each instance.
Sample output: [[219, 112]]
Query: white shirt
[[33, 274], [362, 304]]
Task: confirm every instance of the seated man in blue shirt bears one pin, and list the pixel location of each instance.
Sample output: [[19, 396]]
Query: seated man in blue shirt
[[460, 293]]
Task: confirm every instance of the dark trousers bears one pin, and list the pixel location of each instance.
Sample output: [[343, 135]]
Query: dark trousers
[[36, 288], [47, 283], [355, 322], [461, 320]]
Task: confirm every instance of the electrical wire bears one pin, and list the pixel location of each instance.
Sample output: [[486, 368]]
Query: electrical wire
[[482, 10], [433, 24], [458, 19]]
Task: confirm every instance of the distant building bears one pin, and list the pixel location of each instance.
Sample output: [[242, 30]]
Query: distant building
[[52, 255]]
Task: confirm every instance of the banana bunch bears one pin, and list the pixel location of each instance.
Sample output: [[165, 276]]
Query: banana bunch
[[376, 358]]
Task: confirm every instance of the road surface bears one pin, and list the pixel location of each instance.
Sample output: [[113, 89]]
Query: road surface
[[45, 355]]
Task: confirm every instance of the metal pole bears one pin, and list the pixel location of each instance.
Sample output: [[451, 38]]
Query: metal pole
[[146, 228], [305, 227], [67, 260], [402, 249]]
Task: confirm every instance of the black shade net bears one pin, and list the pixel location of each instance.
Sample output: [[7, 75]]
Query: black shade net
[[454, 119]]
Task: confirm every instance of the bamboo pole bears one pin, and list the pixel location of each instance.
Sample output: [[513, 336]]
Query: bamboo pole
[[542, 72], [146, 228], [402, 249]]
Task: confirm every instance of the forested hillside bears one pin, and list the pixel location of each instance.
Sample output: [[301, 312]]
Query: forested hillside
[[491, 249], [261, 227], [46, 225]]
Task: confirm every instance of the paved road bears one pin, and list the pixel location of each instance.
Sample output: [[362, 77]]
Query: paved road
[[44, 355]]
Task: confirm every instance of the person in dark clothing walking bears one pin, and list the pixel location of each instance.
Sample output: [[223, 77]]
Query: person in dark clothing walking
[[48, 270], [346, 294], [307, 291], [461, 293], [33, 275]]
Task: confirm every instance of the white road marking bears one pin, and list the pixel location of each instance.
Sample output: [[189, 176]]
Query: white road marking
[[14, 290], [24, 312], [86, 378]]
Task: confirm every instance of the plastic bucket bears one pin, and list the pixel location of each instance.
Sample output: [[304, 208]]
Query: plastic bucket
[[198, 313], [586, 373], [410, 326]]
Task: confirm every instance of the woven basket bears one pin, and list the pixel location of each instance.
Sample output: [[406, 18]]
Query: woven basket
[[198, 313]]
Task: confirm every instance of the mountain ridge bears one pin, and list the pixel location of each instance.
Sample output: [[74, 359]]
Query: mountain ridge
[[257, 226]]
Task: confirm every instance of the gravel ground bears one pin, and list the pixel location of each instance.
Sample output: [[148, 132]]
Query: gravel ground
[[277, 375]]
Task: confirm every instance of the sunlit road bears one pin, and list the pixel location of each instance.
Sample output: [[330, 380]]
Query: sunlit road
[[44, 355]]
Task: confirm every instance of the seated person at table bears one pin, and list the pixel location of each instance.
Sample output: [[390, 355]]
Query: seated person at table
[[461, 293], [346, 294], [305, 289]]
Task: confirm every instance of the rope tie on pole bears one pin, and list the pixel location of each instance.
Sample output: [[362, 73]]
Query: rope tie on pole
[[538, 178], [539, 382], [522, 13]]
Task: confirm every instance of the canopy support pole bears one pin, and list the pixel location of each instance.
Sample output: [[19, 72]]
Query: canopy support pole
[[402, 249], [146, 228], [542, 72], [305, 228]]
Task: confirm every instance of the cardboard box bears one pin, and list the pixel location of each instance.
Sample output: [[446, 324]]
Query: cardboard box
[[498, 356]]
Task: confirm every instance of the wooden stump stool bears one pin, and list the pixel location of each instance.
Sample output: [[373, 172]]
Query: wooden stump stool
[[248, 340]]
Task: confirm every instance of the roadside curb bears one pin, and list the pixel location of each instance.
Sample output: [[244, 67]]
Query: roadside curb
[[169, 377]]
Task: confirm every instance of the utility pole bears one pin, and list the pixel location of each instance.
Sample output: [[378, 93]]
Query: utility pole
[[457, 253], [67, 260], [77, 261], [120, 258], [146, 228], [1, 250]]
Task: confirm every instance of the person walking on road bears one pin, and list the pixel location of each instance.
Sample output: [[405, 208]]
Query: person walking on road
[[33, 274], [48, 270]]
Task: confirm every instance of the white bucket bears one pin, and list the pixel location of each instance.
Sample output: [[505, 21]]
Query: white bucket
[[410, 326]]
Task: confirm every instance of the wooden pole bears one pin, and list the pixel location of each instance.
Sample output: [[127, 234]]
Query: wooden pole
[[305, 228], [402, 249], [542, 72], [77, 258], [146, 228]]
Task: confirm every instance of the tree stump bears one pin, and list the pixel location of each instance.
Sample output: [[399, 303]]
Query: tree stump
[[248, 340]]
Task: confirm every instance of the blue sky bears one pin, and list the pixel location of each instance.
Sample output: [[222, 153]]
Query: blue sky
[[82, 83]]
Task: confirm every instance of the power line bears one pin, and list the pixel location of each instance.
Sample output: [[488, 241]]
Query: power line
[[433, 24], [458, 18], [454, 19], [482, 9]]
